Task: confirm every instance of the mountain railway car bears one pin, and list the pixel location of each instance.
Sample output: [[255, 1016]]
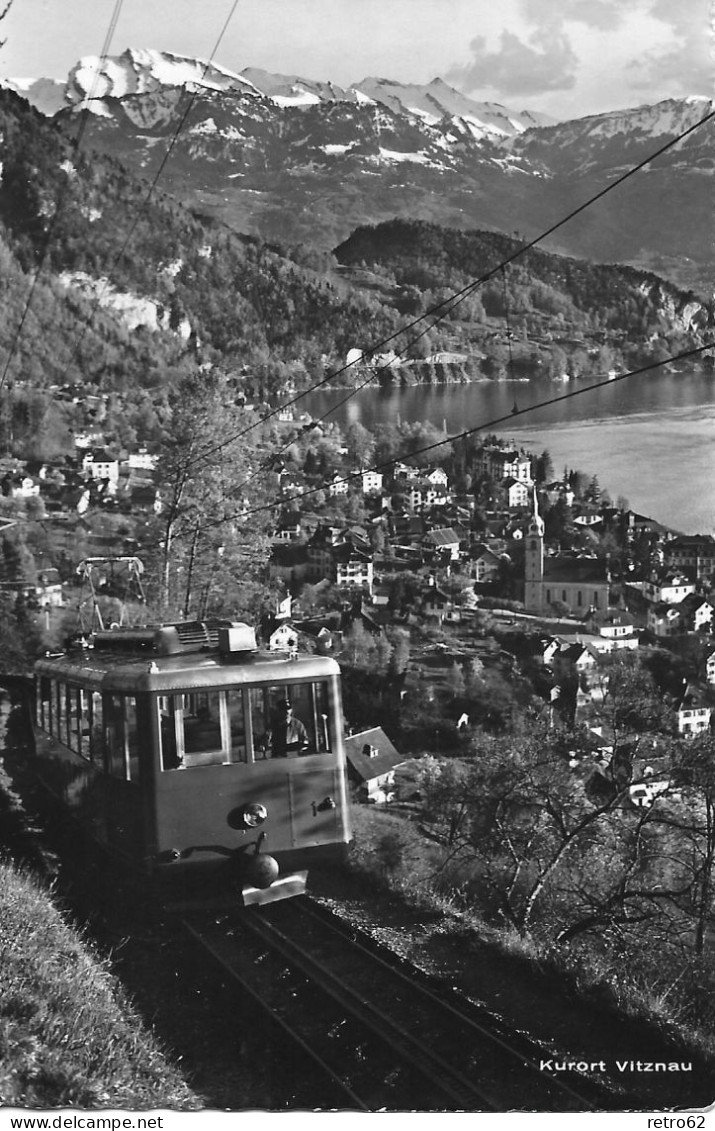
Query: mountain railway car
[[196, 760]]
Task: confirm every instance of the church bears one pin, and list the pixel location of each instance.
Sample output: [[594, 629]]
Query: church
[[580, 583]]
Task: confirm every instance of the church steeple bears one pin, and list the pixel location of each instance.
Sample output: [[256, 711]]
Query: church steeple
[[534, 561], [536, 526]]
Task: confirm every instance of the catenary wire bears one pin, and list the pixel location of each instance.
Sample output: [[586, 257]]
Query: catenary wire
[[153, 183], [449, 304], [60, 197]]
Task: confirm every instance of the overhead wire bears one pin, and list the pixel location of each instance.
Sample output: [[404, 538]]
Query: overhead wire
[[154, 181], [76, 145]]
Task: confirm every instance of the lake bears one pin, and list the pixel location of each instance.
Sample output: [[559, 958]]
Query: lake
[[650, 437]]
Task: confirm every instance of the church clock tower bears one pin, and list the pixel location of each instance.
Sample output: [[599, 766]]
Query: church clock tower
[[534, 563]]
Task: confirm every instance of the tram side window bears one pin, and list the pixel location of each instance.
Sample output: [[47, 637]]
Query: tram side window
[[170, 718], [67, 718], [237, 725], [74, 719], [120, 718], [60, 731], [194, 729], [114, 731], [259, 706], [96, 729], [132, 738], [323, 729], [44, 703], [202, 723]]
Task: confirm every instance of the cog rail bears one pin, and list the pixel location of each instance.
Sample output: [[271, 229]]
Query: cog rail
[[388, 1041]]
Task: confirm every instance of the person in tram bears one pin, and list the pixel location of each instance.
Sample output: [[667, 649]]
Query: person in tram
[[287, 737]]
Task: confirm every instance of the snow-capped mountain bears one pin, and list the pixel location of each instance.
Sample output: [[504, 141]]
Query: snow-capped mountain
[[144, 71], [623, 136], [436, 101], [297, 159], [46, 95]]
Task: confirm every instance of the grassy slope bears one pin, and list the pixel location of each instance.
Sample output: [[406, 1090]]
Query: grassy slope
[[67, 1036]]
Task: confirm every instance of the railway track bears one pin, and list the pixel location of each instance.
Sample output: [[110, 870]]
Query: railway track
[[382, 1035]]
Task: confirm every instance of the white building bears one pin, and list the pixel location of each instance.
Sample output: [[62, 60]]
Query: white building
[[670, 590], [101, 465], [371, 482]]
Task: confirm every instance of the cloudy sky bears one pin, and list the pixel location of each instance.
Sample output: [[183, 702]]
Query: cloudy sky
[[565, 57]]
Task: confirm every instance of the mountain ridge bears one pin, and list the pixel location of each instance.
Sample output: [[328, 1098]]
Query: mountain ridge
[[144, 70], [302, 161]]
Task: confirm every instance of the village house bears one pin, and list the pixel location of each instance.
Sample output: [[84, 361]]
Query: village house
[[24, 487], [670, 590], [663, 619], [546, 650], [44, 593], [337, 486], [371, 482], [573, 656], [616, 626], [692, 713], [141, 460], [422, 495], [435, 602], [446, 541], [437, 477], [696, 614], [284, 638], [513, 492], [694, 555], [642, 524], [86, 440], [100, 464], [287, 532], [557, 492], [500, 464], [483, 564], [403, 472], [145, 497], [290, 486], [588, 516], [372, 760], [353, 570]]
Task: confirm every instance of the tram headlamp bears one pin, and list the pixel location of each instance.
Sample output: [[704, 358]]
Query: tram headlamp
[[254, 815]]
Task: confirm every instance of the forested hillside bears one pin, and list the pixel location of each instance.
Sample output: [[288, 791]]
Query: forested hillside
[[135, 291], [203, 292], [541, 297]]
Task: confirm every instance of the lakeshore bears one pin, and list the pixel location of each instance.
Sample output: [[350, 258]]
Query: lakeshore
[[649, 439]]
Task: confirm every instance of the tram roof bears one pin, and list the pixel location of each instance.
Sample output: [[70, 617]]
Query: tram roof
[[186, 671]]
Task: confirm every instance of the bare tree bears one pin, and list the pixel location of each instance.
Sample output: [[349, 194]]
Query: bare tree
[[3, 14]]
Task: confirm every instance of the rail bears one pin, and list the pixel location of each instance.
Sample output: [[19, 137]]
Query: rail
[[389, 1040]]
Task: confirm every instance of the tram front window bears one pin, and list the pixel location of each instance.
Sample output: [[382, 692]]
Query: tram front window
[[202, 723], [290, 720], [212, 727]]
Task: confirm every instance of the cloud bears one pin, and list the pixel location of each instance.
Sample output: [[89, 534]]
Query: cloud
[[685, 64], [604, 15], [545, 62]]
